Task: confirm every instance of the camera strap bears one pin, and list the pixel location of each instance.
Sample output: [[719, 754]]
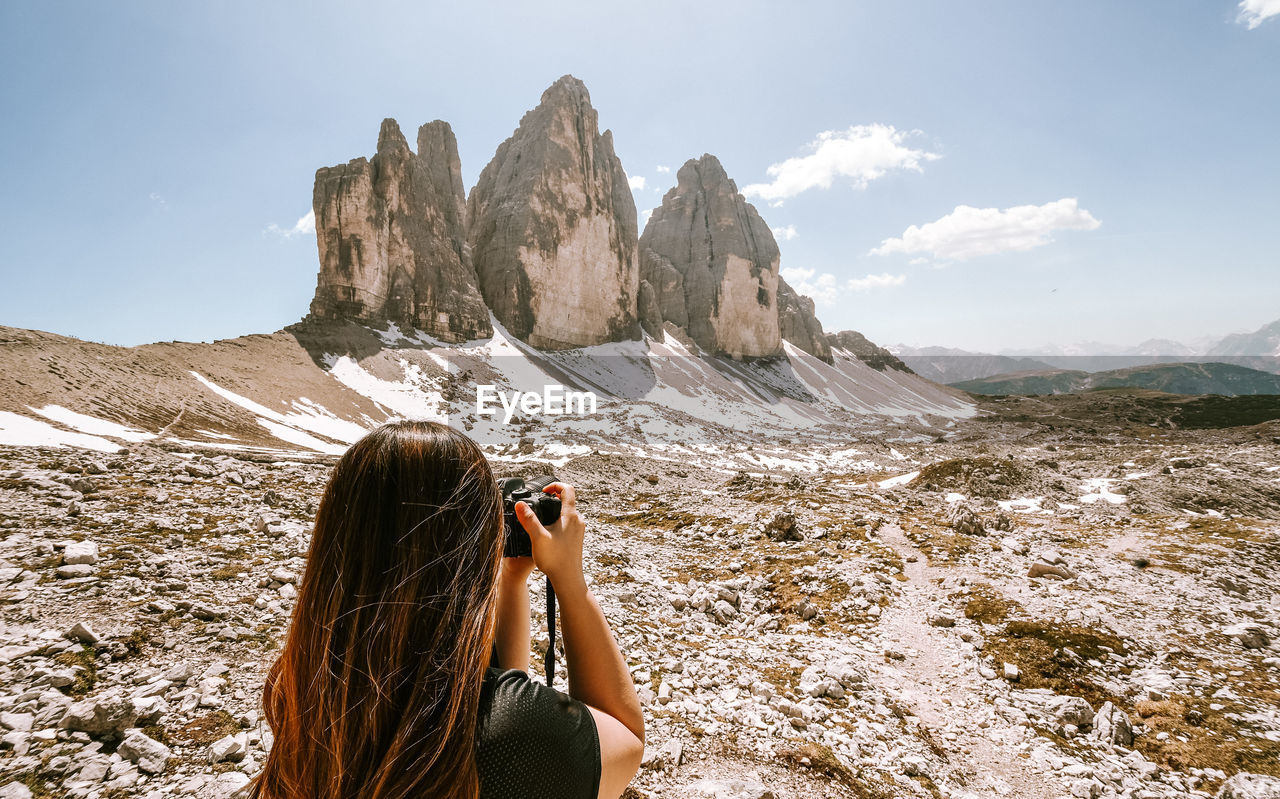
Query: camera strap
[[550, 662]]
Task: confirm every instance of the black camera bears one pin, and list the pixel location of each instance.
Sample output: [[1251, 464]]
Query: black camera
[[545, 506]]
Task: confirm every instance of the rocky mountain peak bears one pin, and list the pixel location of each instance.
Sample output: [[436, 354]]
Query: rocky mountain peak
[[552, 226], [392, 241], [548, 242], [567, 90], [711, 265], [391, 141]]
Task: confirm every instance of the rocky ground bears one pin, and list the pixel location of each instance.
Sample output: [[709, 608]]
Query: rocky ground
[[1063, 597]]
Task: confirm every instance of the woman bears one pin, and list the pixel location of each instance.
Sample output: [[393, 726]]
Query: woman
[[383, 689]]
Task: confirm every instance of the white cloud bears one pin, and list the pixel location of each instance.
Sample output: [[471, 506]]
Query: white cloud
[[644, 217], [636, 183], [820, 287], [304, 225], [156, 198], [785, 233], [1255, 12], [825, 289], [883, 280], [862, 153], [968, 232], [662, 170]]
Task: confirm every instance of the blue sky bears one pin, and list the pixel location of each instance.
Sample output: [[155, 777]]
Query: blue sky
[[1118, 161]]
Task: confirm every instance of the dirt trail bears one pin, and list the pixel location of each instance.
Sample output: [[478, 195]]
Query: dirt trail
[[942, 687]]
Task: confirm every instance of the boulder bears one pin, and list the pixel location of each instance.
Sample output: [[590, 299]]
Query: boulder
[[783, 527], [723, 611], [82, 632], [392, 239], [227, 785], [106, 714], [1014, 545], [552, 227], [1042, 569], [1070, 710], [231, 748], [713, 264], [667, 756], [1251, 635], [149, 754], [964, 520], [80, 552], [1111, 725]]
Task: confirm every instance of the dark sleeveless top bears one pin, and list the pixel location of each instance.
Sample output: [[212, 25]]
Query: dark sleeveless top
[[534, 742]]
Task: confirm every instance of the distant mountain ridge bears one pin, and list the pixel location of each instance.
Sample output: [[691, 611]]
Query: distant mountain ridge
[[1258, 350], [1263, 341], [1173, 378], [945, 365]]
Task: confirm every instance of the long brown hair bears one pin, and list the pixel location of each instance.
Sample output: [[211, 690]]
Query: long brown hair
[[377, 689]]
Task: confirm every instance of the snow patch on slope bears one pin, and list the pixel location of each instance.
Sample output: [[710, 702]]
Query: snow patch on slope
[[23, 431], [289, 427], [92, 424], [415, 397]]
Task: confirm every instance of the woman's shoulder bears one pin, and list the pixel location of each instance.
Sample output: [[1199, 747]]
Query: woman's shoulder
[[534, 737], [511, 703]]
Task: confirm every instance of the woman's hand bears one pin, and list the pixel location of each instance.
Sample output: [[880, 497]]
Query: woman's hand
[[516, 570], [557, 550]]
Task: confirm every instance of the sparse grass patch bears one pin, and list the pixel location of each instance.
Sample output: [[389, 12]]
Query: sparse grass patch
[[988, 606], [1043, 653], [783, 677], [928, 784], [86, 675], [819, 759], [612, 577], [656, 514], [135, 643], [1201, 737], [156, 732], [943, 546], [41, 789], [610, 559], [228, 571], [204, 730]]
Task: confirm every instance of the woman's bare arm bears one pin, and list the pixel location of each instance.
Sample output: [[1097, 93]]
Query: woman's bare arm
[[598, 674], [512, 639], [598, 677]]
